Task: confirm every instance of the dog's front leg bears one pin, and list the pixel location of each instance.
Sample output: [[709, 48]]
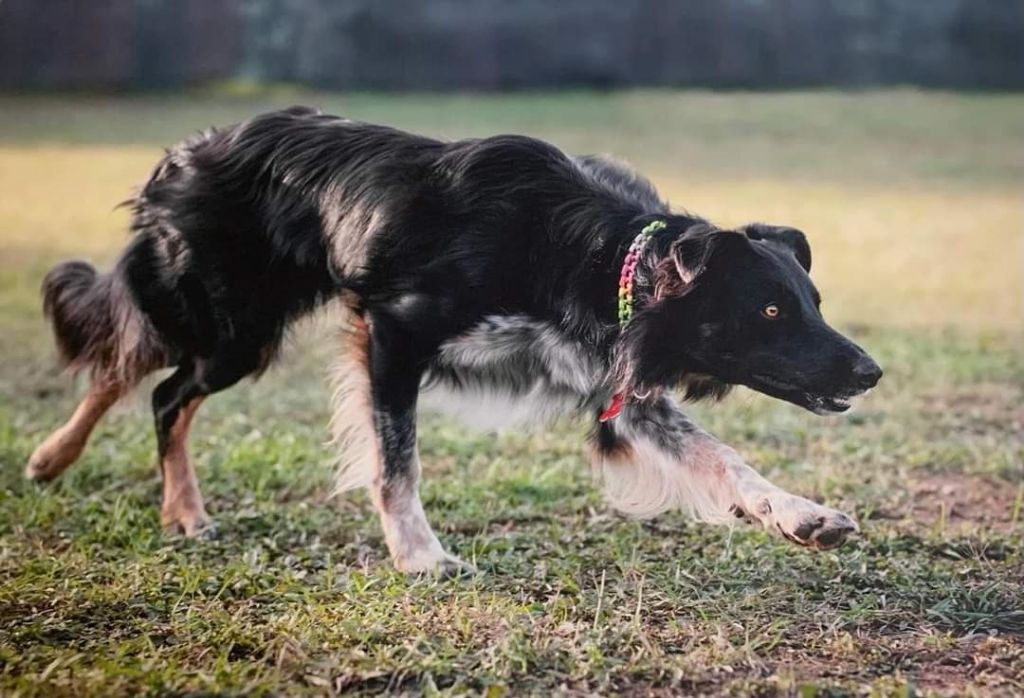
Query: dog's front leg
[[653, 459], [394, 373]]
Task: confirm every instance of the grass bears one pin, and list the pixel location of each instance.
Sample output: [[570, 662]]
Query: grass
[[911, 201]]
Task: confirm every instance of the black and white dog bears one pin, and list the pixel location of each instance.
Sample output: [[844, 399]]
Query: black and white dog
[[492, 266]]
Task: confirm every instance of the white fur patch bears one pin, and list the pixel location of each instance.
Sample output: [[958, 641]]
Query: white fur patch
[[644, 480], [512, 371], [711, 483], [493, 410], [413, 545]]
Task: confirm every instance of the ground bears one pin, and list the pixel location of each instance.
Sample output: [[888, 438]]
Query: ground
[[911, 202]]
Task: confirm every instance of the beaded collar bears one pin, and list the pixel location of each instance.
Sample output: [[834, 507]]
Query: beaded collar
[[626, 276]]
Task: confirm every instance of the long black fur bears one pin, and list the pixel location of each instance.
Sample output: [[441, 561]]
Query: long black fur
[[79, 309], [97, 324], [237, 232]]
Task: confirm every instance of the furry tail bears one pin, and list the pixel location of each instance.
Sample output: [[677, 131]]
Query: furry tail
[[97, 325]]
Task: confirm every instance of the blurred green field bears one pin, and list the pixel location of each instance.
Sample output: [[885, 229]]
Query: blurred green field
[[912, 203]]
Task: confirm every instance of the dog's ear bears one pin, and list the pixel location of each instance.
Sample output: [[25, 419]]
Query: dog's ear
[[689, 256], [791, 238]]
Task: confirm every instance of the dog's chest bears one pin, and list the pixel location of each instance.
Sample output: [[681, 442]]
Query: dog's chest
[[512, 370]]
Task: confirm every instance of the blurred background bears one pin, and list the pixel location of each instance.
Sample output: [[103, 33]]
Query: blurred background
[[890, 131], [496, 44]]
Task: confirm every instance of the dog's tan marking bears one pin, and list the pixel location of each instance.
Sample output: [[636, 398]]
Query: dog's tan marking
[[412, 543], [182, 510], [711, 482], [65, 445], [352, 429]]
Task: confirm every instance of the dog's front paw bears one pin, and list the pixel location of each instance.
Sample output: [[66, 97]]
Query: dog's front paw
[[801, 521]]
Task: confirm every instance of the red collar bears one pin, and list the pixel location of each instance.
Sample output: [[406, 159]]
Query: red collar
[[614, 408]]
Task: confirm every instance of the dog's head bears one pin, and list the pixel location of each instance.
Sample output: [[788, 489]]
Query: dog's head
[[738, 308]]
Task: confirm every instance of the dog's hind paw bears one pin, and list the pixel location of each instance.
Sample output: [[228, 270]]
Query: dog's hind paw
[[52, 458]]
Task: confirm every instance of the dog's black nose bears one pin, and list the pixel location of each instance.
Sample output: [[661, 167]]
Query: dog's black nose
[[866, 372]]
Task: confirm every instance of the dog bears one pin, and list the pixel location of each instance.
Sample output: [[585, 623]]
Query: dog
[[499, 266]]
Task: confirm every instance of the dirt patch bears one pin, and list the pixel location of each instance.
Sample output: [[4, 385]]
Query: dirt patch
[[959, 501], [982, 662], [934, 664]]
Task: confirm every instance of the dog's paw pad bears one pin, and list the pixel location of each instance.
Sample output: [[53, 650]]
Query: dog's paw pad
[[38, 472]]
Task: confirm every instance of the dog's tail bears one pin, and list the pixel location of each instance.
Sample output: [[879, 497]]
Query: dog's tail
[[98, 326]]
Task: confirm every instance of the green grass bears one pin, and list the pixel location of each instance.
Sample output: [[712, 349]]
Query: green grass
[[911, 202]]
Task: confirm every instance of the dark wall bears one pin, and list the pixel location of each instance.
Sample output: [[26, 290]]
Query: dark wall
[[493, 44]]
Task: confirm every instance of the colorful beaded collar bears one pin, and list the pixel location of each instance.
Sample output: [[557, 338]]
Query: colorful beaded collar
[[626, 276]]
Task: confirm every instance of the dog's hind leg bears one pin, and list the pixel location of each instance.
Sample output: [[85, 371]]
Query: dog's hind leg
[[375, 425], [65, 445], [175, 402], [653, 459]]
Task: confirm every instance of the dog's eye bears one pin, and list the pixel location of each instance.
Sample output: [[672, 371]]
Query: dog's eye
[[770, 311]]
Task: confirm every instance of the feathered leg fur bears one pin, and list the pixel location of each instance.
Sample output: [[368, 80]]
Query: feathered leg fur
[[652, 459]]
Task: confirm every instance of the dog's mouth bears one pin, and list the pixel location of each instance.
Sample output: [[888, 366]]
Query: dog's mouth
[[831, 405], [816, 403]]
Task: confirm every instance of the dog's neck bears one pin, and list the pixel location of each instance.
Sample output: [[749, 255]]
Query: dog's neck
[[649, 250], [627, 275], [583, 274], [637, 268]]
